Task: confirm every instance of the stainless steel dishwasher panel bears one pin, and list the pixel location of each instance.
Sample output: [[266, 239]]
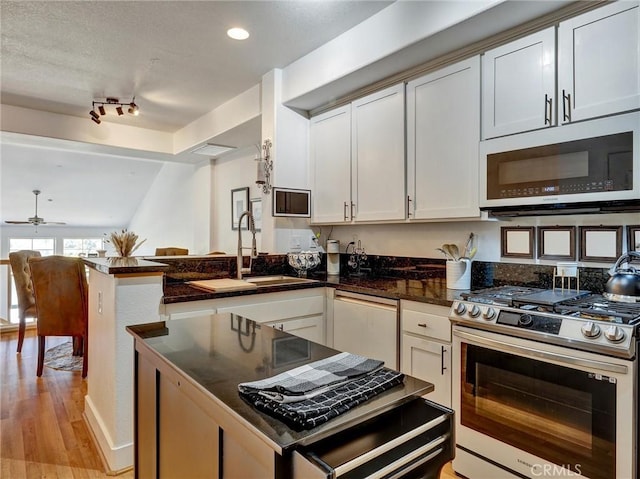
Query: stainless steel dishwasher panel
[[412, 440]]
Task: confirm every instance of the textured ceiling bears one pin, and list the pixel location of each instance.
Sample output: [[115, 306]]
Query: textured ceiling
[[174, 56]]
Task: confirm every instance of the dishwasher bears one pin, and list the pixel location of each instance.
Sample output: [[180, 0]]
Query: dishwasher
[[367, 325], [413, 440]]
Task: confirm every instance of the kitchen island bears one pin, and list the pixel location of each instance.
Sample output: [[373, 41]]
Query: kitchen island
[[190, 420]]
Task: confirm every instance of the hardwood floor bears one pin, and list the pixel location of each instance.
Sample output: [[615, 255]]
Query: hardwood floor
[[42, 432]]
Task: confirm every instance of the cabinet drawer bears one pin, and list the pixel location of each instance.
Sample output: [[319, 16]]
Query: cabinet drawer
[[426, 320]]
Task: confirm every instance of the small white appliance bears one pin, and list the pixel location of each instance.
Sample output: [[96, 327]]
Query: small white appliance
[[333, 257]]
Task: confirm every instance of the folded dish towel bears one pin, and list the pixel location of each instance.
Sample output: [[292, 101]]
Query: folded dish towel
[[315, 411], [312, 379]]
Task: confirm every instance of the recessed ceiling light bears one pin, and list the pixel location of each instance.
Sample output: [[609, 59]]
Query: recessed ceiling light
[[238, 33]]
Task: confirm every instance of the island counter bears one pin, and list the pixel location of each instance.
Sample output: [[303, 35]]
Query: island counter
[[190, 420]]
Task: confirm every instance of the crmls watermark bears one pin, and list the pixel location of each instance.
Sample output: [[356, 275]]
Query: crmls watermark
[[556, 470]]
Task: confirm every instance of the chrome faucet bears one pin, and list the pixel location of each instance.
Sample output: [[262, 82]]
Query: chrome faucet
[[254, 251]]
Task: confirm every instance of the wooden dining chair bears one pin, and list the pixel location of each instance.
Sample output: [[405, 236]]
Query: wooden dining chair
[[19, 261], [171, 251], [61, 294]]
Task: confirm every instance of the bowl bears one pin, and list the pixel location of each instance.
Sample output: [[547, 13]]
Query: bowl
[[303, 261]]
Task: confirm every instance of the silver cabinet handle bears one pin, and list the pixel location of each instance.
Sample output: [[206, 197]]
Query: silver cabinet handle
[[353, 205], [566, 105], [345, 211], [548, 109], [409, 213], [422, 325], [443, 350]]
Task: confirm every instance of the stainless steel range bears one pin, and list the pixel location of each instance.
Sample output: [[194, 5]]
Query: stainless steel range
[[545, 384]]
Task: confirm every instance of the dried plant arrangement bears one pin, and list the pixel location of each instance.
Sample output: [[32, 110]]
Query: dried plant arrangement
[[124, 242]]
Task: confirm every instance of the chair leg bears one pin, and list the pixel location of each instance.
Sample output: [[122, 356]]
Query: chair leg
[[22, 326], [40, 354], [77, 345], [85, 356]]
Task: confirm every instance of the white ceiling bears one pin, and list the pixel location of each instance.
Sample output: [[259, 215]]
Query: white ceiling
[[174, 56]]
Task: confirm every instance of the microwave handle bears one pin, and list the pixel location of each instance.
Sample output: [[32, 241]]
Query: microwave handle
[[536, 353]]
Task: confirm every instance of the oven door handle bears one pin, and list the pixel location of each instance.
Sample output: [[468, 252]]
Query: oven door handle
[[510, 348]]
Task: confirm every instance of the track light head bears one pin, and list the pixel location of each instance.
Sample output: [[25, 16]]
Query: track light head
[[94, 115], [119, 111], [97, 120], [102, 110], [133, 109]]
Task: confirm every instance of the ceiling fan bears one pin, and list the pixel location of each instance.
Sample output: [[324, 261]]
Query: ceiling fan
[[35, 219]]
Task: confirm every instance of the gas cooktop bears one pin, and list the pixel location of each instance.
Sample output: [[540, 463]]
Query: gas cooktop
[[573, 318]]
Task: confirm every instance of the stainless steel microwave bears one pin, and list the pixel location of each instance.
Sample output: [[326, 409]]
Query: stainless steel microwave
[[591, 164]]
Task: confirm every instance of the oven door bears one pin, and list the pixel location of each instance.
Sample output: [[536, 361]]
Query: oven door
[[539, 410]]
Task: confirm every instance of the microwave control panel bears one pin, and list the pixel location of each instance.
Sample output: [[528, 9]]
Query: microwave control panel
[[569, 188]]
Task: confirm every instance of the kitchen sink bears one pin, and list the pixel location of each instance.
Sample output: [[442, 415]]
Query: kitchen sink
[[277, 280]]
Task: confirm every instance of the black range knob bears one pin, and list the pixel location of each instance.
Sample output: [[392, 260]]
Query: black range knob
[[525, 320]]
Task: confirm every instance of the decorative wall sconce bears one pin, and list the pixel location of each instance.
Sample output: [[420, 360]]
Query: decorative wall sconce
[[110, 101], [265, 166]]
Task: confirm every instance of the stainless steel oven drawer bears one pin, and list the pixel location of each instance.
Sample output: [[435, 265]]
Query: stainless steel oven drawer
[[412, 440]]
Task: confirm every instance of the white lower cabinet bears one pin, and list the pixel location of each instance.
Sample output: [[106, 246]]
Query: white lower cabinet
[[299, 312], [366, 325], [426, 347], [310, 328]]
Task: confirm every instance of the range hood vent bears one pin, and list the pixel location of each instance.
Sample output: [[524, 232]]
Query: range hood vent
[[504, 212]]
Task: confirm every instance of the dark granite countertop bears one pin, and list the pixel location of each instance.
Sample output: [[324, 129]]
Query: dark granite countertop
[[217, 352], [427, 290], [115, 265]]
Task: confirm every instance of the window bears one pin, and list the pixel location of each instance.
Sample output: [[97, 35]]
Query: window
[[46, 246], [81, 246]]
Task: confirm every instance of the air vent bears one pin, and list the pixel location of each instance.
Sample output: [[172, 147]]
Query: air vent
[[211, 149]]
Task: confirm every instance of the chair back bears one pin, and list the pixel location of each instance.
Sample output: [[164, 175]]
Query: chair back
[[61, 293], [19, 261], [171, 251]]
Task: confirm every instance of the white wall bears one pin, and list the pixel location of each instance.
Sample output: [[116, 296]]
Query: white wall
[[234, 170], [167, 214]]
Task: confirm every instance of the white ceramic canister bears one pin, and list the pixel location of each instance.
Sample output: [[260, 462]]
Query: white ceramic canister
[[459, 274]]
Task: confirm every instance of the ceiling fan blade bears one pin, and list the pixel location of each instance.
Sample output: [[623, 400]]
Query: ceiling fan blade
[[18, 222], [53, 223]]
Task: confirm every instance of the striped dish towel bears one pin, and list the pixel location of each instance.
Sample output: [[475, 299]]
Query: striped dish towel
[[317, 410], [312, 379]]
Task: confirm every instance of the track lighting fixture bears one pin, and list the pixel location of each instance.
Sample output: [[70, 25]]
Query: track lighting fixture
[[110, 101]]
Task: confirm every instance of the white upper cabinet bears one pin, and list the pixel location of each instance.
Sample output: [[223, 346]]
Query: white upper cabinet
[[518, 85], [443, 131], [378, 156], [330, 147], [599, 62]]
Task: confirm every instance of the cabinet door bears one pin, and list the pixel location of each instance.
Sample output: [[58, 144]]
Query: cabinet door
[[518, 85], [430, 361], [599, 62], [378, 156], [311, 328], [187, 437], [330, 149], [367, 329], [443, 133]]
